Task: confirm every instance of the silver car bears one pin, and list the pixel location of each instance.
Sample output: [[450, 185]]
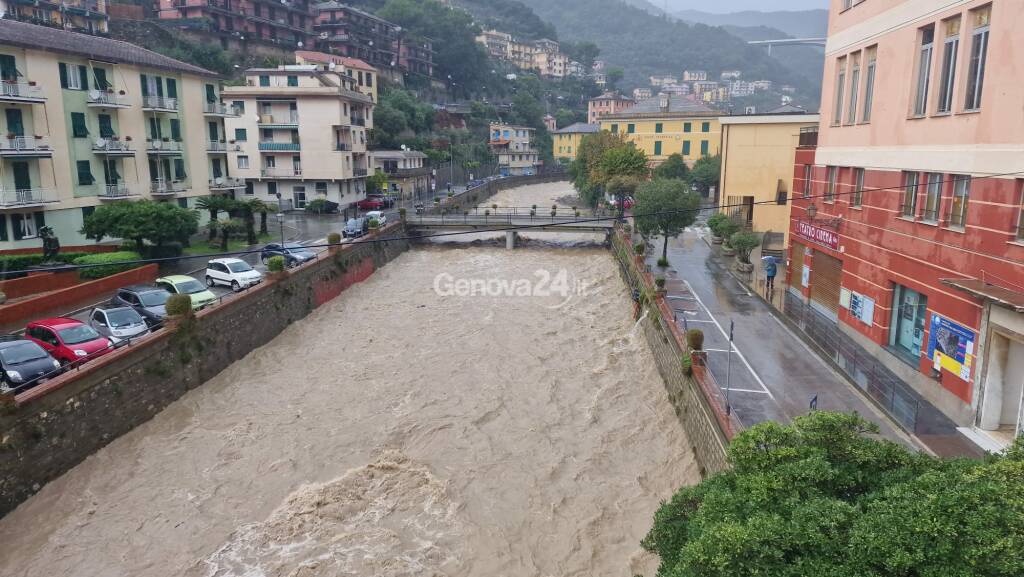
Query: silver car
[[118, 323]]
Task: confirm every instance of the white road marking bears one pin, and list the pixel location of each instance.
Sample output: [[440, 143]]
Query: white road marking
[[740, 284], [726, 335], [745, 391]]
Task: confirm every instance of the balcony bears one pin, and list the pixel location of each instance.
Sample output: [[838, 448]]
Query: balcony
[[280, 172], [226, 183], [26, 146], [285, 120], [26, 197], [113, 147], [358, 121], [279, 147], [106, 99], [220, 109], [116, 191], [159, 104], [15, 91], [161, 187], [154, 146], [357, 172], [342, 147], [216, 147]]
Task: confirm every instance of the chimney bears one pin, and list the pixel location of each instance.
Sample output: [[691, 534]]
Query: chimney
[[664, 101]]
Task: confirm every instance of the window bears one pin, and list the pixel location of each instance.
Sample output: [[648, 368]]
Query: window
[[808, 183], [78, 128], [175, 129], [630, 128], [249, 188], [869, 84], [908, 317], [106, 126], [657, 148], [241, 135], [830, 186], [183, 202], [243, 162], [658, 128], [933, 197], [99, 76], [264, 80], [961, 195], [704, 150], [909, 206], [299, 196], [924, 70], [179, 169], [321, 188], [172, 88], [837, 111], [857, 197], [211, 93], [239, 106], [687, 127], [851, 111], [27, 225], [950, 49], [369, 80], [272, 188], [73, 76], [686, 148], [979, 50], [705, 127], [85, 177], [615, 128]]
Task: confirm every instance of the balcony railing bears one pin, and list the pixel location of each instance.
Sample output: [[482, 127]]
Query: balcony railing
[[809, 136], [359, 172], [219, 109], [216, 146], [116, 191], [342, 147], [159, 103], [106, 99], [226, 182], [280, 172], [409, 172], [279, 146], [280, 120], [358, 121], [20, 197], [25, 145], [113, 147], [160, 186], [156, 146], [13, 90]]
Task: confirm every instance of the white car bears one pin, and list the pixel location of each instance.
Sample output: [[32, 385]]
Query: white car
[[232, 272], [376, 214]]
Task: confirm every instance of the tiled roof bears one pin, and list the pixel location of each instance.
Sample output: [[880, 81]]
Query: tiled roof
[[48, 39], [396, 154], [312, 56], [787, 109], [678, 104], [579, 128]]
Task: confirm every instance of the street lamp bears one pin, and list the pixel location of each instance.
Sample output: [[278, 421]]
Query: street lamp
[[280, 217]]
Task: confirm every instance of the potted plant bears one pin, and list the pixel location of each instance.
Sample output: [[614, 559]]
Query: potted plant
[[662, 262], [333, 239], [695, 343], [166, 139], [659, 282], [743, 242], [11, 136], [110, 90], [374, 224], [121, 92], [639, 248], [276, 267], [178, 307], [714, 221], [401, 214], [31, 82], [128, 138]]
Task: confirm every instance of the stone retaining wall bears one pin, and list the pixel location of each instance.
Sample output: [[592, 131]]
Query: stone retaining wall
[[480, 194], [47, 430]]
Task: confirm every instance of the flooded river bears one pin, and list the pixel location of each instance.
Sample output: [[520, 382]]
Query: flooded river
[[416, 425]]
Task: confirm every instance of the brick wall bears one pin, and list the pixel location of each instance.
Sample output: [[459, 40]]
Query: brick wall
[[49, 429], [37, 283], [29, 308]]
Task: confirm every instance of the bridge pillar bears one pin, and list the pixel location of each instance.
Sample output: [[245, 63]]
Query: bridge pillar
[[510, 239]]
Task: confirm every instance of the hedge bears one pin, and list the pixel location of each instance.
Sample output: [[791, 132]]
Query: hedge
[[24, 261], [95, 272]]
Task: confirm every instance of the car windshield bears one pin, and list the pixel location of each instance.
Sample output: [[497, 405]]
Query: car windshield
[[190, 287], [123, 318], [79, 334], [296, 248], [154, 298], [239, 266], [22, 353]]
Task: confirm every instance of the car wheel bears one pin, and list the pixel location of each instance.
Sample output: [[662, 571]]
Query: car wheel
[[209, 281], [235, 286], [63, 363], [263, 259]]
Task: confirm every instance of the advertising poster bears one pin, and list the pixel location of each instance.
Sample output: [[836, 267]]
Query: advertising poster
[[951, 346]]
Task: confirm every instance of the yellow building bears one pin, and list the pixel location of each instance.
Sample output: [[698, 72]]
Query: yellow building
[[89, 120], [567, 140], [758, 153], [668, 125]]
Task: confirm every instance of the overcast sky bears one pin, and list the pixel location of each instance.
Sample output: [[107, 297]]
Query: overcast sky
[[723, 6]]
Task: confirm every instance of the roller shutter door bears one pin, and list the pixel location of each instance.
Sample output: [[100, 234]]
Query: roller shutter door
[[796, 266], [826, 276]]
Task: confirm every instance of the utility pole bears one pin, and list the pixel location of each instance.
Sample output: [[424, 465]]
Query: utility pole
[[451, 164], [728, 373], [280, 217]]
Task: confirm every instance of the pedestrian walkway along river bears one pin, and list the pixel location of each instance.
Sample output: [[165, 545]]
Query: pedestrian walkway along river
[[416, 425]]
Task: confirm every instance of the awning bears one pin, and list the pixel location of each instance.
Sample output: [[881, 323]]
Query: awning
[[1004, 297]]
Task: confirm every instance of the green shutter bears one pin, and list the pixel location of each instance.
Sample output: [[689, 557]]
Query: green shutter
[[78, 128], [8, 69], [686, 127], [175, 129], [16, 225], [63, 74], [145, 84], [106, 127], [706, 127], [172, 88], [179, 169], [100, 75], [686, 148], [40, 220], [240, 135], [85, 177], [703, 147], [658, 128], [83, 76], [657, 148], [3, 227], [211, 93], [159, 86], [293, 81]]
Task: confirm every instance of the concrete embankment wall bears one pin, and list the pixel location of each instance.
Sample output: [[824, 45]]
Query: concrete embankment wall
[[479, 194], [47, 430], [706, 424]]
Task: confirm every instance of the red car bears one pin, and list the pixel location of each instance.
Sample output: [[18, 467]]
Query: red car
[[371, 203], [67, 340]]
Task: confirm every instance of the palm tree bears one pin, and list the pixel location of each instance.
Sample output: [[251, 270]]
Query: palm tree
[[228, 228], [258, 206], [215, 205]]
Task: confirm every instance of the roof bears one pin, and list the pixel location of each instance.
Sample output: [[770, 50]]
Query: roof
[[787, 109], [173, 278], [56, 322], [1000, 296], [802, 118], [678, 105], [612, 96], [579, 128], [326, 58], [397, 154], [140, 288], [512, 126], [48, 39]]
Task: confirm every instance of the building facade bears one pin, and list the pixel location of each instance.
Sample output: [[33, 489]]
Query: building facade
[[914, 200], [567, 140], [514, 147], [607, 103], [365, 76], [86, 16], [407, 170], [90, 120], [284, 23], [668, 125], [301, 135]]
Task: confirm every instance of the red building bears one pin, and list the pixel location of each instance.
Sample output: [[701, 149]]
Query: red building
[[906, 228], [286, 23]]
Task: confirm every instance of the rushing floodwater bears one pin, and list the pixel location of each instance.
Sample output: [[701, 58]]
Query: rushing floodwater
[[392, 432]]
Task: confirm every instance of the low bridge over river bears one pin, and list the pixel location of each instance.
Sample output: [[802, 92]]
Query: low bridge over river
[[511, 223]]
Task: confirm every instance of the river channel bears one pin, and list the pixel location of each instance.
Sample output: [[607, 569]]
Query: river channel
[[466, 411]]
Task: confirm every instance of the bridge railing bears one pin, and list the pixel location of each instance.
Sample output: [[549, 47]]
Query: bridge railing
[[508, 219]]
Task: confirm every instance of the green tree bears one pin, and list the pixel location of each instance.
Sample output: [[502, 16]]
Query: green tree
[[744, 242], [583, 52], [565, 117], [705, 173], [145, 220], [665, 208], [377, 182], [613, 77], [624, 161], [825, 497], [584, 169], [227, 229], [215, 205], [673, 167]]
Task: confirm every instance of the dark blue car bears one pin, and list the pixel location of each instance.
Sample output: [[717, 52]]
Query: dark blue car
[[25, 364]]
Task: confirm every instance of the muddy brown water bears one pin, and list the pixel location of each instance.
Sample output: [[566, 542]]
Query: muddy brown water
[[396, 431]]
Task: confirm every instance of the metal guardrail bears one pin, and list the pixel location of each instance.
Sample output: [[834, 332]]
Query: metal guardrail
[[159, 103]]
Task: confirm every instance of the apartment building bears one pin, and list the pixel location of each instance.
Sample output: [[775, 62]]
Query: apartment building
[[695, 75], [284, 23], [301, 134], [567, 140], [668, 125], [607, 103], [407, 170], [366, 77], [87, 16], [514, 147], [909, 236], [543, 55], [89, 120], [642, 93], [497, 43]]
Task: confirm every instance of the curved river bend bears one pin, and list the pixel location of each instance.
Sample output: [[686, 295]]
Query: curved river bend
[[394, 432]]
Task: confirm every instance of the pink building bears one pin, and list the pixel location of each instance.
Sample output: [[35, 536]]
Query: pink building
[[607, 103], [909, 238]]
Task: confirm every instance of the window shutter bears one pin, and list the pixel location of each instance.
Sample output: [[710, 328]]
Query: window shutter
[[172, 88], [40, 220], [83, 74], [145, 84], [179, 169], [3, 227], [101, 78], [106, 128], [16, 225], [159, 86], [175, 129], [63, 75]]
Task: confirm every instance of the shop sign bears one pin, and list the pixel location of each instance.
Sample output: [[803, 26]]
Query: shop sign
[[951, 346], [817, 234]]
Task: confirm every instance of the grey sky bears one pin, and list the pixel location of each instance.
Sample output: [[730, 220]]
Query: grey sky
[[724, 6]]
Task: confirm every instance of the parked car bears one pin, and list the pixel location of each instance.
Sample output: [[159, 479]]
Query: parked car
[[371, 203], [146, 300], [233, 272], [294, 254], [376, 214], [23, 363], [356, 227], [119, 323], [67, 340], [180, 284]]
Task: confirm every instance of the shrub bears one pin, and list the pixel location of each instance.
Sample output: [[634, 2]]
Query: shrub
[[317, 205], [24, 261], [109, 260], [494, 206], [401, 213], [715, 220], [179, 306], [275, 264], [659, 282], [334, 238], [639, 248], [695, 339], [663, 262], [744, 242], [374, 223], [727, 228], [687, 365]]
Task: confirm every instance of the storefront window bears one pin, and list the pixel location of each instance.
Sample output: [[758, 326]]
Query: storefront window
[[908, 321]]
